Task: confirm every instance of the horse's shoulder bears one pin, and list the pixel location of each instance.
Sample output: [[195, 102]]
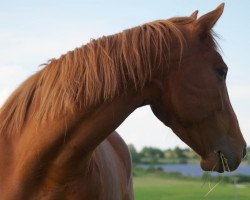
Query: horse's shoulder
[[114, 149], [120, 148], [112, 163]]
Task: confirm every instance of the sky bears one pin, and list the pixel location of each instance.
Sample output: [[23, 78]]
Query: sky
[[32, 32]]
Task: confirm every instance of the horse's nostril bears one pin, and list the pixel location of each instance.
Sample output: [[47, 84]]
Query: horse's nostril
[[244, 151]]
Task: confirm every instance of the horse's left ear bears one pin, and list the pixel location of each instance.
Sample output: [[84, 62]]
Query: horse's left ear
[[194, 14], [206, 22]]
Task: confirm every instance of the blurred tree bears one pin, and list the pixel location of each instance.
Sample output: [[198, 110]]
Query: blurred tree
[[134, 154], [180, 155], [151, 154]]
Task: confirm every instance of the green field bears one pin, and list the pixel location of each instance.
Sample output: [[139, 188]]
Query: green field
[[150, 187]]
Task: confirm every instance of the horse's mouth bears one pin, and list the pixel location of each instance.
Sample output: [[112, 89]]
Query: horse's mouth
[[220, 162]]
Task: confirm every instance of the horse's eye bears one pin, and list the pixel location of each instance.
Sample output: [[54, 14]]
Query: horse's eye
[[222, 72]]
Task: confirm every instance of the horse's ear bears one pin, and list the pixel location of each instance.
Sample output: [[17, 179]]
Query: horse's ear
[[206, 22], [194, 14]]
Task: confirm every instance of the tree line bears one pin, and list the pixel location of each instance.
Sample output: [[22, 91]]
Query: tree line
[[152, 155]]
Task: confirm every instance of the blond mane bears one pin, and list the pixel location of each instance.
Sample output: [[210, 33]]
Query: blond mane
[[95, 72]]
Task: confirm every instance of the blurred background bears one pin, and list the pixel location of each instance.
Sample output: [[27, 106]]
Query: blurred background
[[32, 32]]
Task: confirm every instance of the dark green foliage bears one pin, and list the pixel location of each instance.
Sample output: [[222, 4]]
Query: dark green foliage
[[134, 154], [151, 155]]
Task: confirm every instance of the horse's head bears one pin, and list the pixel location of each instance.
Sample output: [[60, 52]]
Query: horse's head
[[195, 102]]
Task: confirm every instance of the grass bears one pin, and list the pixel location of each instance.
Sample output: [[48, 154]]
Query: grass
[[152, 187]]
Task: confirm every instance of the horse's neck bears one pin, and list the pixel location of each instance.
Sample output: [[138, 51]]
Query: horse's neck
[[47, 154]]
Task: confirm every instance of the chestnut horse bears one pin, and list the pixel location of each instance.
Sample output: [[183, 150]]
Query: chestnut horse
[[57, 138]]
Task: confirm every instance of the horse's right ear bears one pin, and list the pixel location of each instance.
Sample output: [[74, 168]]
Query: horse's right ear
[[206, 22]]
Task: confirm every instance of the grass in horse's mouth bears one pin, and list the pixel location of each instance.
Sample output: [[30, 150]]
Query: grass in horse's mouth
[[223, 161]]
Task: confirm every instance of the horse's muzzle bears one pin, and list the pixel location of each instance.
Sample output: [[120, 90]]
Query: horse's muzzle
[[221, 161]]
